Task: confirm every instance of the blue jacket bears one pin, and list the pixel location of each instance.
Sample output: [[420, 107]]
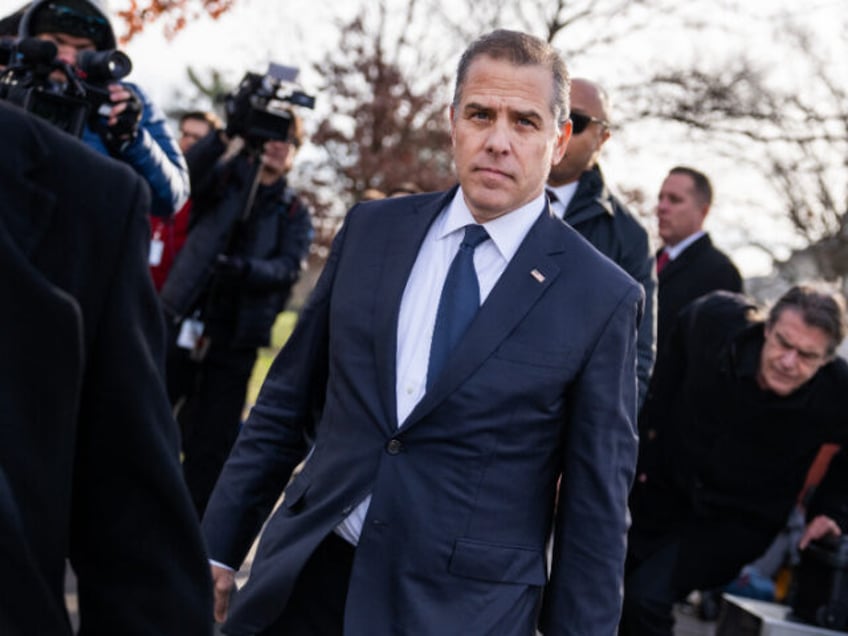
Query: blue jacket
[[155, 155]]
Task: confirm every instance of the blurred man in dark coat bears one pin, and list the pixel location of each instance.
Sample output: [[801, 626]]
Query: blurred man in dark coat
[[738, 409], [88, 450]]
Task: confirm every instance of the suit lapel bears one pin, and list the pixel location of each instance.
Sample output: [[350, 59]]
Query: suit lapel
[[400, 255], [680, 263], [529, 274]]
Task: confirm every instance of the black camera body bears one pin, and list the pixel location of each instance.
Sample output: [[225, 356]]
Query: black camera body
[[258, 110], [29, 82]]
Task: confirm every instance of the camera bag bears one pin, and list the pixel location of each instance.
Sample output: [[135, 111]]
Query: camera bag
[[821, 593]]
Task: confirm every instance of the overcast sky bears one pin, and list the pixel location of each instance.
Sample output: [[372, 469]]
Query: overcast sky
[[298, 32]]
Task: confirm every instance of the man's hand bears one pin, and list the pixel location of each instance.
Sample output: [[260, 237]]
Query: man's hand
[[123, 117], [223, 582], [821, 526], [232, 267]]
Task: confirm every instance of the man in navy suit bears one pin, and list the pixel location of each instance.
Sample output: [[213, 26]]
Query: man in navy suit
[[688, 265], [426, 499]]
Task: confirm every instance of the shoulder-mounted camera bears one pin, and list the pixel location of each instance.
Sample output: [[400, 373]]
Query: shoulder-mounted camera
[[64, 95], [259, 109]]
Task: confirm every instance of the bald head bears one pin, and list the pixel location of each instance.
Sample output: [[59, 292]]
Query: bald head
[[588, 100], [594, 100]]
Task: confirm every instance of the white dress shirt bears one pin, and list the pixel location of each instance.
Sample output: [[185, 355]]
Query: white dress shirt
[[564, 195], [421, 300], [676, 250]]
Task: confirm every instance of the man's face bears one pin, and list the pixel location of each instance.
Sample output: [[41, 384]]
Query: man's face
[[504, 136], [277, 160], [584, 147], [191, 131], [793, 352], [680, 211]]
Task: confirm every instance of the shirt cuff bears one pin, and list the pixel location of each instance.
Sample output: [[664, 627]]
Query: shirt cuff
[[221, 565]]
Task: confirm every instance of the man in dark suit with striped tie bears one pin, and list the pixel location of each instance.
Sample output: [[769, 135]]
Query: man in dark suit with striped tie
[[688, 265]]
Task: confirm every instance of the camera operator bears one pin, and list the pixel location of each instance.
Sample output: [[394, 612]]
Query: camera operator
[[133, 130], [248, 236]]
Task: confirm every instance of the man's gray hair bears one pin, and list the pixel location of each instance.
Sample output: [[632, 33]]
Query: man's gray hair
[[519, 49], [818, 308]]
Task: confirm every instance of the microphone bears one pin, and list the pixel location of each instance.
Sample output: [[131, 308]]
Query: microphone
[[36, 51]]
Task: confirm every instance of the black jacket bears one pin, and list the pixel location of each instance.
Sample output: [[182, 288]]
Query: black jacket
[[698, 270], [272, 242], [606, 223], [721, 461]]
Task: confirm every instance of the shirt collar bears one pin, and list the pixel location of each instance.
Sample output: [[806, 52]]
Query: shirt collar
[[674, 252], [507, 231], [564, 194]]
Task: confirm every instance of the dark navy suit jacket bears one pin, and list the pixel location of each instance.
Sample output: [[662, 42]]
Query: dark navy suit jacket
[[463, 491]]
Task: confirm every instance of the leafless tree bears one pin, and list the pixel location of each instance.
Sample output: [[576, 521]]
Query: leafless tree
[[791, 129]]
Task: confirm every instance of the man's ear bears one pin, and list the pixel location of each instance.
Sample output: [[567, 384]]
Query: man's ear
[[561, 143], [451, 114]]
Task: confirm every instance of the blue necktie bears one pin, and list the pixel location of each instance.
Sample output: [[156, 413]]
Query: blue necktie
[[459, 302]]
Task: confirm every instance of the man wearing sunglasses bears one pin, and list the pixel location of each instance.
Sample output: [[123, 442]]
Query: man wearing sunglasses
[[582, 199], [133, 130], [738, 409]]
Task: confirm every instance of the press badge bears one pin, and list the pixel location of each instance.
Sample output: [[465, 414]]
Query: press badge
[[190, 333], [157, 248]]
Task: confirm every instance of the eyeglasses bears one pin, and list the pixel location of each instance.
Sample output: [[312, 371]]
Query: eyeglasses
[[581, 121]]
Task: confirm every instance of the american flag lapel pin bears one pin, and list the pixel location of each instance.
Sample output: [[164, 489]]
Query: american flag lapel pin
[[539, 276]]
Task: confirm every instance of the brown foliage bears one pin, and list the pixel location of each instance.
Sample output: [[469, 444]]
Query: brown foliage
[[388, 126], [174, 14]]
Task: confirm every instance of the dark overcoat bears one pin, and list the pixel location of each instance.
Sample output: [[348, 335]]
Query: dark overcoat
[[89, 467]]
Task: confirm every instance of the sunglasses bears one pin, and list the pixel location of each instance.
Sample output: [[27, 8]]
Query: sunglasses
[[580, 122]]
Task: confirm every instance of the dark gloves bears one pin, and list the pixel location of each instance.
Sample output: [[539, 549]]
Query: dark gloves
[[124, 130], [232, 267]]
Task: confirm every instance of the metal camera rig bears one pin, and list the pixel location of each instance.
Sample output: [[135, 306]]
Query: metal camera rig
[[259, 109], [64, 95]]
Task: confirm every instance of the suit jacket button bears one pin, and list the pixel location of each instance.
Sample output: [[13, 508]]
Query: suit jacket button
[[394, 447]]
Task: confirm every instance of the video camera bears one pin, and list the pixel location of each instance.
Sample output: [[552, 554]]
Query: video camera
[[29, 82], [258, 110]]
